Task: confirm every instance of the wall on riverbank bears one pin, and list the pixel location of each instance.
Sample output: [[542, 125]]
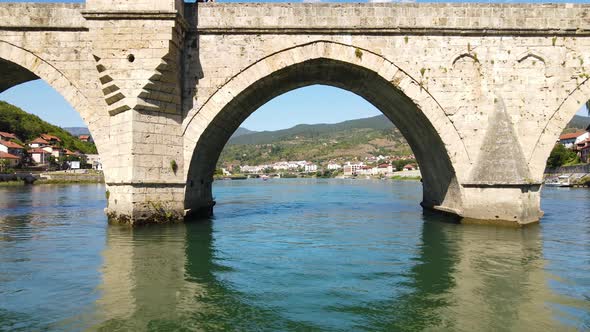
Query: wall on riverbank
[[569, 169], [74, 177]]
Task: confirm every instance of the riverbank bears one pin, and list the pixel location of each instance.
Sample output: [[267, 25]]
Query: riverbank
[[59, 177], [578, 175]]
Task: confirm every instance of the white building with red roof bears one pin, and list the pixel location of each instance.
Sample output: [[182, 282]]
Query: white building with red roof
[[38, 143], [569, 140], [11, 148], [11, 159], [7, 136], [51, 138], [39, 156]]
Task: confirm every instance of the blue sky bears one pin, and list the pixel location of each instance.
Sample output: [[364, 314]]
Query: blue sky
[[314, 104]]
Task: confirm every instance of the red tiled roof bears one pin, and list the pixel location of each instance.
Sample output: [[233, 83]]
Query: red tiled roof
[[571, 135], [50, 137], [37, 150], [383, 165], [84, 136], [10, 144], [39, 140], [4, 155], [7, 135]]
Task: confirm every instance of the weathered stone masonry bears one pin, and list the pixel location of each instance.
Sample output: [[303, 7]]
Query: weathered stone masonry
[[480, 91]]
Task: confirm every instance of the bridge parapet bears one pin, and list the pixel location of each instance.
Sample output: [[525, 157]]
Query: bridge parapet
[[37, 16], [379, 18]]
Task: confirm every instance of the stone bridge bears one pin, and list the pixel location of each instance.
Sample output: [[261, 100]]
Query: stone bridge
[[480, 91]]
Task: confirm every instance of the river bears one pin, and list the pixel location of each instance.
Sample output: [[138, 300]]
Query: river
[[292, 254]]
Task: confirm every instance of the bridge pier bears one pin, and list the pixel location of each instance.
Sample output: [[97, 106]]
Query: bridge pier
[[515, 205], [145, 203]]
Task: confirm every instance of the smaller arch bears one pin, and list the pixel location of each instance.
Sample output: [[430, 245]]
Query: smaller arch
[[532, 56], [465, 56]]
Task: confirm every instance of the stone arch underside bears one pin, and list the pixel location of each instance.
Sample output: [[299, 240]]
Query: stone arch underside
[[18, 65], [440, 185]]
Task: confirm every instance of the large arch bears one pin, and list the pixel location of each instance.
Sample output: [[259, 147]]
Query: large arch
[[424, 123], [19, 65]]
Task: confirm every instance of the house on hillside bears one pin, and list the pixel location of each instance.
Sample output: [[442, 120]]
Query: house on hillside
[[569, 140], [9, 160], [55, 151], [7, 136], [410, 167], [51, 139], [12, 148], [86, 138], [582, 146], [40, 156], [38, 143]]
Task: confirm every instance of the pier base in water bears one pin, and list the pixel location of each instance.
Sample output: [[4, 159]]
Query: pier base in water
[[145, 203], [506, 204]]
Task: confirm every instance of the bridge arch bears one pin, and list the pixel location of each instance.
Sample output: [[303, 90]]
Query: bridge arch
[[19, 65], [419, 117], [558, 120]]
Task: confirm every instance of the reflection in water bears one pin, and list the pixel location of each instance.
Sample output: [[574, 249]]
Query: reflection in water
[[276, 258]]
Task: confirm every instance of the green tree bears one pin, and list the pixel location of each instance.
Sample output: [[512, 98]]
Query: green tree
[[561, 156]]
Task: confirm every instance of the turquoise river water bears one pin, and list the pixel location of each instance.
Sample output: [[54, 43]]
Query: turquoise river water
[[291, 255]]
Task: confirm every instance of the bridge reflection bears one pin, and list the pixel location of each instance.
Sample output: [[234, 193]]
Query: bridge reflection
[[172, 278]]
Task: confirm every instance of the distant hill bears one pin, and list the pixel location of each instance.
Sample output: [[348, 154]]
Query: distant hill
[[28, 127], [348, 140], [242, 131], [77, 131], [379, 122], [321, 142], [578, 122]]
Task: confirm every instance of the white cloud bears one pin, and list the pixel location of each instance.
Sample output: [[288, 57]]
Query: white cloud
[[312, 1]]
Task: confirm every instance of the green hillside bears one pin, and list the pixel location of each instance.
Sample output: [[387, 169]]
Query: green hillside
[[349, 140], [345, 141], [28, 127], [379, 122]]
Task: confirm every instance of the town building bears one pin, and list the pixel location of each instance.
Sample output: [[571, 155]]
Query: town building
[[55, 151], [351, 169], [38, 143], [569, 140], [86, 138], [12, 148], [9, 160], [7, 136], [51, 139], [94, 160], [410, 167], [383, 169], [310, 168], [40, 156], [333, 166]]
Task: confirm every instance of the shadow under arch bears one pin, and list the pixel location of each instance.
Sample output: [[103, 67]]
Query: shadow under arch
[[440, 185], [18, 65]]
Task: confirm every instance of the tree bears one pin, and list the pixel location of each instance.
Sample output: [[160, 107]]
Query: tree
[[561, 156]]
